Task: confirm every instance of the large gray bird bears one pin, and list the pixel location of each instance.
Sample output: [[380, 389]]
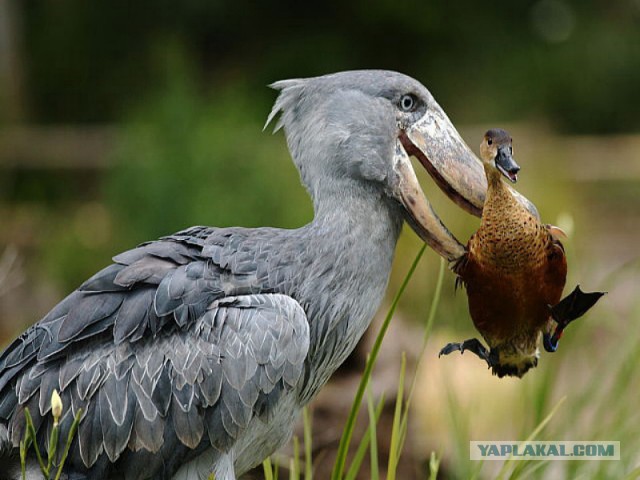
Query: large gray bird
[[194, 353]]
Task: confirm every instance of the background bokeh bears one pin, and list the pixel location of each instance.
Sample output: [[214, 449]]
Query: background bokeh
[[124, 121]]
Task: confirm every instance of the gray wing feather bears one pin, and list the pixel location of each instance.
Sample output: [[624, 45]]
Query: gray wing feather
[[213, 377], [168, 337], [188, 425], [148, 269], [89, 310], [132, 314], [90, 446], [147, 434]]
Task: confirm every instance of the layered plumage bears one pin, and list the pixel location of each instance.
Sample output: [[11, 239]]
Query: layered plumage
[[177, 345], [193, 354]]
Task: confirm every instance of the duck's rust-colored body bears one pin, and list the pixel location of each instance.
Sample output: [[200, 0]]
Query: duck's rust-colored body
[[514, 269], [514, 272]]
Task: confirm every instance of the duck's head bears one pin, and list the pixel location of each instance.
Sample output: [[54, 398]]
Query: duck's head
[[496, 151]]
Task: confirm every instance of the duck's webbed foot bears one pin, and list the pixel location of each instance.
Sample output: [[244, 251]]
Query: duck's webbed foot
[[473, 345], [573, 306]]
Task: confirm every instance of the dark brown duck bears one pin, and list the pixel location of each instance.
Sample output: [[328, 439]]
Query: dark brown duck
[[514, 272]]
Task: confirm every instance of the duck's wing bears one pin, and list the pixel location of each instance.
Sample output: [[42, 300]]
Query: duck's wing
[[555, 275], [167, 351]]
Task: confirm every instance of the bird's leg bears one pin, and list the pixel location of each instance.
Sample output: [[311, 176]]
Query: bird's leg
[[473, 345], [573, 306]]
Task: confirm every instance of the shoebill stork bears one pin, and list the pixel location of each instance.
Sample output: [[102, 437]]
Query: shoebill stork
[[193, 354]]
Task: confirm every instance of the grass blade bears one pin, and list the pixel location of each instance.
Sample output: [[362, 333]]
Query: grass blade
[[345, 440], [534, 434], [434, 466], [67, 446], [435, 302], [32, 434], [23, 458], [373, 435], [292, 469], [294, 472], [308, 462], [267, 468], [396, 434], [364, 444], [633, 474]]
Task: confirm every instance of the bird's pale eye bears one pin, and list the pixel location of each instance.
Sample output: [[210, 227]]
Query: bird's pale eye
[[408, 103]]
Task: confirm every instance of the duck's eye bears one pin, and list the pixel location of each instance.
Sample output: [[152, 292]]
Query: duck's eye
[[408, 103], [489, 141]]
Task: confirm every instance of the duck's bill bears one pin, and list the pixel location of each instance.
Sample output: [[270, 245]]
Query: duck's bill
[[510, 175], [437, 145], [506, 165]]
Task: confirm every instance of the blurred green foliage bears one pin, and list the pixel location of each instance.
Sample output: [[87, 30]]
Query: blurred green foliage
[[185, 156], [191, 157], [577, 63]]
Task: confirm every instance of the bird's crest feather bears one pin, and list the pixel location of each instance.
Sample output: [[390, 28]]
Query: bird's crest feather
[[289, 92]]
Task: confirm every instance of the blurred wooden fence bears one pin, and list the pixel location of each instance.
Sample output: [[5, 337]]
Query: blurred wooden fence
[[615, 157], [76, 155], [57, 147], [603, 158]]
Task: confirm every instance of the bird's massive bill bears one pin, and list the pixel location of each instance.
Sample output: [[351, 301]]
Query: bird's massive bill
[[435, 142]]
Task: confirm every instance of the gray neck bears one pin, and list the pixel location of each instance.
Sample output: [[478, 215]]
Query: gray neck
[[350, 205], [350, 247]]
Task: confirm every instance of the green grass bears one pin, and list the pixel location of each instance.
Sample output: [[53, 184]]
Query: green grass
[[51, 468], [585, 391]]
